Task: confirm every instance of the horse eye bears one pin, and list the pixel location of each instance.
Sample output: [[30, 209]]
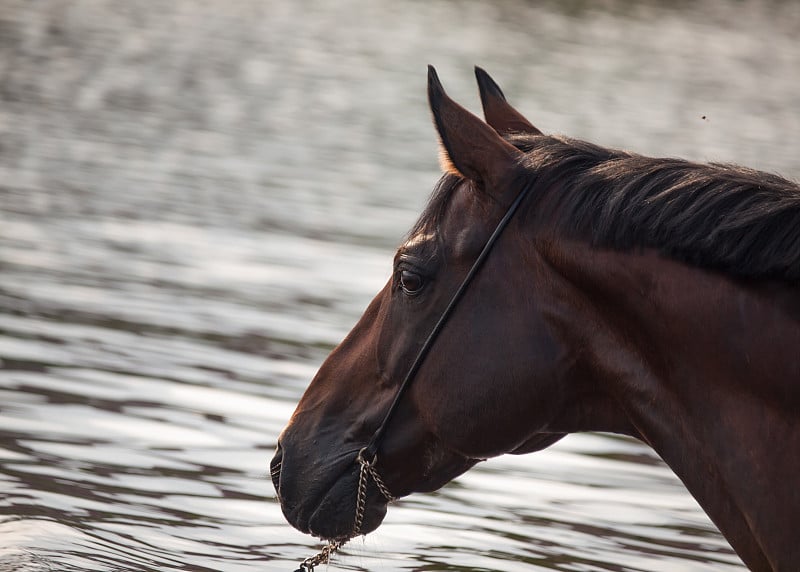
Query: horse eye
[[411, 282]]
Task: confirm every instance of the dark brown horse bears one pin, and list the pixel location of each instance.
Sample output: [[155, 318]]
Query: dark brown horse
[[656, 298]]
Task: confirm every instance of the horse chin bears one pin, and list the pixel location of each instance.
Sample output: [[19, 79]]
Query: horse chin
[[437, 465]]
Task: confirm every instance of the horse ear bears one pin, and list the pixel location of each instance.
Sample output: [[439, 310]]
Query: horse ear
[[470, 147], [499, 114]]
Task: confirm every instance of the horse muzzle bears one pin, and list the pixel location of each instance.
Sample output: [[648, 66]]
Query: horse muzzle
[[320, 497]]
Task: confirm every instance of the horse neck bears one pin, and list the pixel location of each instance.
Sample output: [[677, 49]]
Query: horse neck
[[706, 372]]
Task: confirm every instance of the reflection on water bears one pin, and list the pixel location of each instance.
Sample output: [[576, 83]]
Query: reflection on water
[[196, 203]]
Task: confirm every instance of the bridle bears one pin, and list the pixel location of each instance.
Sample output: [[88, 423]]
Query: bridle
[[367, 457]]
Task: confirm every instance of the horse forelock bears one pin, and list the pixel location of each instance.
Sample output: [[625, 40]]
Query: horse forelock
[[434, 211]]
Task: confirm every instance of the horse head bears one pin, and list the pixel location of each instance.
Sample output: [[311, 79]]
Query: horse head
[[470, 397]]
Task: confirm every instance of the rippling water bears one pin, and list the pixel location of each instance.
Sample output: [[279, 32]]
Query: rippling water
[[198, 200]]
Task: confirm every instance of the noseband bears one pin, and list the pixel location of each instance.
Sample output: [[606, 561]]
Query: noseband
[[367, 457]]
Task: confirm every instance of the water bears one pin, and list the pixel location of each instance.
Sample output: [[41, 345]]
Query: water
[[196, 203]]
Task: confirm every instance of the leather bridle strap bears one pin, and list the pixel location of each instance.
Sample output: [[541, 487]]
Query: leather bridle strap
[[370, 451]]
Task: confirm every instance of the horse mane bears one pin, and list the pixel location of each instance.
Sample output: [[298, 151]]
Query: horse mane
[[721, 217]]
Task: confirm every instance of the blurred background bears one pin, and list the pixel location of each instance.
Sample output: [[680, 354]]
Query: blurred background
[[198, 199]]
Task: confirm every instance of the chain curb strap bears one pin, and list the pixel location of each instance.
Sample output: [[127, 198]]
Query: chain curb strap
[[366, 470]]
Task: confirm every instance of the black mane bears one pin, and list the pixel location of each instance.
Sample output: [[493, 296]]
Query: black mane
[[731, 219], [735, 220]]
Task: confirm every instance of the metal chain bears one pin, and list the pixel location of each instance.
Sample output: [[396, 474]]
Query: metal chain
[[370, 468], [366, 469], [361, 497], [322, 557]]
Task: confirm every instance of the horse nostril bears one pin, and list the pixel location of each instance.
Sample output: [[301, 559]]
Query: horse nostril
[[275, 469]]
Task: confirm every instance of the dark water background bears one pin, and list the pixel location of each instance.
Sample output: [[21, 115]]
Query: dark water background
[[197, 200]]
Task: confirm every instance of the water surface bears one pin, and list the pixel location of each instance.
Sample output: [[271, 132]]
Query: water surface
[[196, 203]]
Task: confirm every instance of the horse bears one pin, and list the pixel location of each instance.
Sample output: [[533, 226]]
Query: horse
[[553, 286]]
